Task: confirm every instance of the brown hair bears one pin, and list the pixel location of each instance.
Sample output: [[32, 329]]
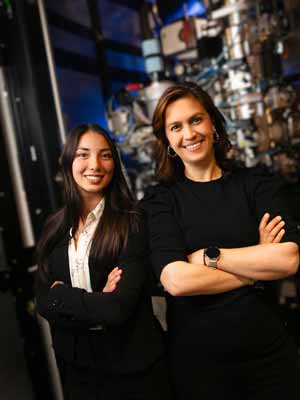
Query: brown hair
[[119, 215], [170, 169]]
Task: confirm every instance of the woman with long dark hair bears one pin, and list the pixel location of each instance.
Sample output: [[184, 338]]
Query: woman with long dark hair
[[104, 334], [204, 221]]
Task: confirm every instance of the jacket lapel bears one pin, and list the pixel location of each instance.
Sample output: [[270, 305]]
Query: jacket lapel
[[61, 261], [94, 276], [98, 275], [61, 267]]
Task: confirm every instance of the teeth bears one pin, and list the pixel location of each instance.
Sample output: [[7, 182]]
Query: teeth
[[93, 177], [193, 146]]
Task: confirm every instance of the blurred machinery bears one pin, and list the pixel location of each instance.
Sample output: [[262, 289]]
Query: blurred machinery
[[239, 52], [30, 139], [244, 52]]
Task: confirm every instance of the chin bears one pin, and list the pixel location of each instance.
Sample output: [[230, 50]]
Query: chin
[[197, 158], [95, 190], [85, 191]]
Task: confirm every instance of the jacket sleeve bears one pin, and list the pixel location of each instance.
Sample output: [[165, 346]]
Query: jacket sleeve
[[71, 307]]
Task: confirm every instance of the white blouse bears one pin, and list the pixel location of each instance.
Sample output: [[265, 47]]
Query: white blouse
[[79, 257]]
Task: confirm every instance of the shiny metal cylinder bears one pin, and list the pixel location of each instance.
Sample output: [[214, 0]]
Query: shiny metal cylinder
[[152, 94], [51, 66], [8, 125], [234, 38], [236, 18], [52, 366]]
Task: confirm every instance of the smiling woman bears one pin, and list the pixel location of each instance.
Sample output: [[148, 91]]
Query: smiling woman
[[191, 134], [92, 168], [190, 129], [100, 322], [210, 239]]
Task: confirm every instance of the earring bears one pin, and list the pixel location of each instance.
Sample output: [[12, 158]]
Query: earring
[[216, 136], [171, 152]]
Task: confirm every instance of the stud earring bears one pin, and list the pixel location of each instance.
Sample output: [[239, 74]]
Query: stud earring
[[171, 152]]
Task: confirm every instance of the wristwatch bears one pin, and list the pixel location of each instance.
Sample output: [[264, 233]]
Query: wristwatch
[[211, 256]]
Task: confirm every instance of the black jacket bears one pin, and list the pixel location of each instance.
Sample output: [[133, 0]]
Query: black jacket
[[130, 338]]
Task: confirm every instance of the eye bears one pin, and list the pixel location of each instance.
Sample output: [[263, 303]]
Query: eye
[[196, 120], [106, 156], [81, 155], [175, 128]]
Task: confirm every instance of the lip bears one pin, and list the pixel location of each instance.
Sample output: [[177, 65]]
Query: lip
[[97, 175], [93, 178], [194, 146]]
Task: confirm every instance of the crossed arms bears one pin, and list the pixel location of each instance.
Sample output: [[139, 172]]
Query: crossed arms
[[72, 307], [269, 260]]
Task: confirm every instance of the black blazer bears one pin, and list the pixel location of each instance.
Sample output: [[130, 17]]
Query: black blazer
[[130, 338]]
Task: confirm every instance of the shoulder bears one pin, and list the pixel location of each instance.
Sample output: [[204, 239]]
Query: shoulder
[[260, 176], [56, 227], [261, 183], [259, 171], [53, 235], [157, 192], [156, 198], [249, 172], [52, 219], [251, 176]]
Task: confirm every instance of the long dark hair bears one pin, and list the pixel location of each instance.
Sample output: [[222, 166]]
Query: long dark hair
[[170, 169], [119, 215]]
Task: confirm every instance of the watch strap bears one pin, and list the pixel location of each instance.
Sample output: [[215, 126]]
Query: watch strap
[[212, 263]]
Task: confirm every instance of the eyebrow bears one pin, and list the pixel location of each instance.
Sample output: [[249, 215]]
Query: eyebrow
[[200, 113], [87, 149]]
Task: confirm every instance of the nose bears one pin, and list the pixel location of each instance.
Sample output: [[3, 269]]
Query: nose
[[189, 132], [94, 163]]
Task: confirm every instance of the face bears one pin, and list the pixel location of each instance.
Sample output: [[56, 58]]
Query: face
[[93, 165], [189, 131]]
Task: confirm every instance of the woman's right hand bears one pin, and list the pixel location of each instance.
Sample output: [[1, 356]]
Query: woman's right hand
[[112, 280], [271, 231]]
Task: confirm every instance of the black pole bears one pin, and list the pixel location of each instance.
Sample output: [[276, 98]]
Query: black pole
[[100, 48]]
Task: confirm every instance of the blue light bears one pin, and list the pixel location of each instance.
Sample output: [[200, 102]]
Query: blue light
[[191, 8], [195, 8], [126, 61]]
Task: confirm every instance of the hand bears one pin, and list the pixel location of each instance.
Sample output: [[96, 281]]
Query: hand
[[57, 283], [271, 231], [112, 280], [196, 257]]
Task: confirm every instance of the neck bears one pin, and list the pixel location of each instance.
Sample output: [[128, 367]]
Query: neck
[[205, 173], [89, 203]]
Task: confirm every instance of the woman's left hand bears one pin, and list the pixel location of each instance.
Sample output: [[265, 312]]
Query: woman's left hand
[[196, 257], [112, 280], [271, 231]]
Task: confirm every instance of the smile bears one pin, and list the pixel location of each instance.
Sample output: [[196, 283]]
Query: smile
[[93, 178], [194, 146]]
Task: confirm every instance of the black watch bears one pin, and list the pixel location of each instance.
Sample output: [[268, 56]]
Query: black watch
[[211, 256]]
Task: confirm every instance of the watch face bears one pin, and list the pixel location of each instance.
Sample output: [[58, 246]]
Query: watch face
[[212, 252]]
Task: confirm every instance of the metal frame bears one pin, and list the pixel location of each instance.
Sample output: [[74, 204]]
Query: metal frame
[[14, 164]]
